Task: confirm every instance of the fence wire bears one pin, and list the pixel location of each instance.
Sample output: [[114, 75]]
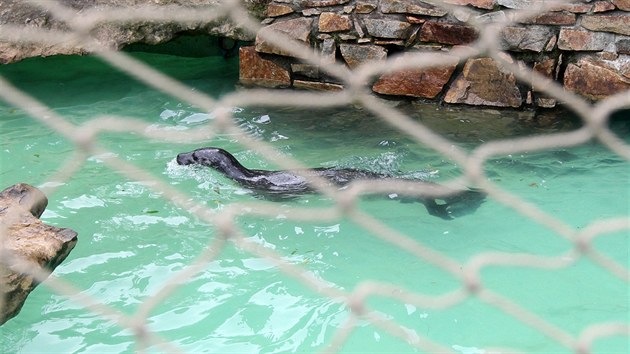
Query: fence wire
[[356, 91]]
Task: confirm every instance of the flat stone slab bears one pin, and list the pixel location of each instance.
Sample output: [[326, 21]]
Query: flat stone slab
[[332, 22], [424, 83], [255, 70], [482, 4], [276, 10], [447, 33], [595, 78], [526, 38], [622, 4], [298, 29], [618, 23], [555, 18], [483, 82], [580, 40], [387, 28], [357, 54], [415, 7]]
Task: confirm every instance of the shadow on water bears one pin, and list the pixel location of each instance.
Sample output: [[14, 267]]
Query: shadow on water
[[464, 125], [476, 125], [85, 80], [619, 123]]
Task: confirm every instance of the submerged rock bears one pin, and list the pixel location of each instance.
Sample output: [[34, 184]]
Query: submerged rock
[[26, 243]]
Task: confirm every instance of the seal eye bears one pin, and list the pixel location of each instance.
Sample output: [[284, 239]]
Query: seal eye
[[185, 158], [206, 158]]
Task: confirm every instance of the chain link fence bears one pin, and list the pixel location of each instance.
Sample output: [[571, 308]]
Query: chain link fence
[[86, 141]]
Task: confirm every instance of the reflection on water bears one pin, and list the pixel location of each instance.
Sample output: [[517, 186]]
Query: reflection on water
[[461, 124]]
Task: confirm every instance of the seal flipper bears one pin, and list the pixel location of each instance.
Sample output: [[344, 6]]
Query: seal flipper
[[465, 202], [435, 209]]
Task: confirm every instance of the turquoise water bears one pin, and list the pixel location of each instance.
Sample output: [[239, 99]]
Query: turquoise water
[[131, 240]]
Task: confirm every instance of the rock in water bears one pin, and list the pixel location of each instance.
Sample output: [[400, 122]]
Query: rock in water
[[26, 243]]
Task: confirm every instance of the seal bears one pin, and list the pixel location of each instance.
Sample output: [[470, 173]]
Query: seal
[[287, 184]]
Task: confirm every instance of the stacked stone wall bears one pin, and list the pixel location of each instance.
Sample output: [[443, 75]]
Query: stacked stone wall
[[585, 46]]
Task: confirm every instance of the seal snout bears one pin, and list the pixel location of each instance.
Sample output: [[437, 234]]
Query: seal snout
[[185, 158]]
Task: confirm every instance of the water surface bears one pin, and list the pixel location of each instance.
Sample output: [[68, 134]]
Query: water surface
[[131, 240]]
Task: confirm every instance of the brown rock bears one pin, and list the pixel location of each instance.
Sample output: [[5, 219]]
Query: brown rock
[[551, 44], [298, 29], [519, 4], [532, 38], [306, 70], [26, 242], [556, 18], [447, 33], [322, 3], [571, 5], [332, 22], [311, 12], [387, 28], [482, 4], [546, 102], [619, 23], [545, 67], [483, 82], [578, 40], [365, 7], [575, 7], [595, 79], [603, 6], [357, 54], [415, 20], [254, 70], [316, 85], [425, 83], [415, 7], [622, 4], [275, 10]]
